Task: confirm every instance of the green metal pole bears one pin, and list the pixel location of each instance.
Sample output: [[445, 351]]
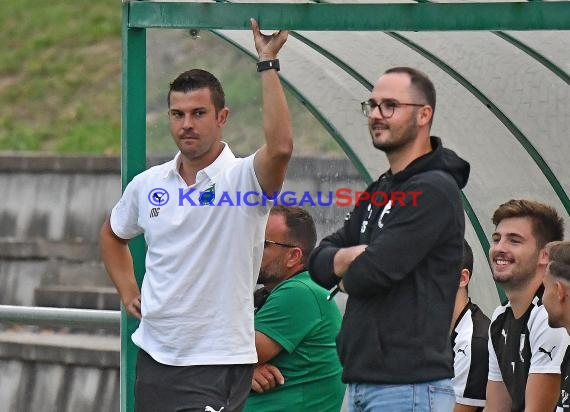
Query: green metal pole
[[133, 161]]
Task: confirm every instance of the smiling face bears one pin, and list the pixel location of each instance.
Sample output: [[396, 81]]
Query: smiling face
[[398, 131], [195, 125], [514, 252]]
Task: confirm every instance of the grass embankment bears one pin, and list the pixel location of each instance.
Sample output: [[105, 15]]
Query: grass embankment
[[60, 79], [60, 75]]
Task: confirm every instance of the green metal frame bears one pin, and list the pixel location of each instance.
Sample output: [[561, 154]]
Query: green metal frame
[[133, 161], [351, 17], [423, 16]]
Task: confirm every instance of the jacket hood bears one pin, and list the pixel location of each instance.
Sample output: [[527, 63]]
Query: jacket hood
[[439, 158]]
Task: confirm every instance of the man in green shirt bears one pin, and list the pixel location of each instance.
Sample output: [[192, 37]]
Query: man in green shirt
[[295, 329]]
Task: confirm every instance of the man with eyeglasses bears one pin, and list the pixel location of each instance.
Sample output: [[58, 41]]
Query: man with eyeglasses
[[295, 328], [399, 263]]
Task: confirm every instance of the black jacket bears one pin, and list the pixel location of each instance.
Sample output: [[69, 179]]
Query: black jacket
[[401, 289]]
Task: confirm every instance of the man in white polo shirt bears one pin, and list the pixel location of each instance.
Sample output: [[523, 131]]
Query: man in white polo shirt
[[205, 242]]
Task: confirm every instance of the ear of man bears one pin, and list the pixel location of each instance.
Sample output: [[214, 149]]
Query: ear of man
[[562, 290], [464, 278], [295, 257], [425, 114], [543, 256]]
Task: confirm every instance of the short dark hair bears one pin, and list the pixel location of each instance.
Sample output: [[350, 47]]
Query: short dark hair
[[547, 225], [196, 79], [467, 262], [300, 227], [421, 83], [560, 261]]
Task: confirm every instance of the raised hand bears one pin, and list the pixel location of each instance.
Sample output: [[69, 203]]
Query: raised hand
[[268, 45]]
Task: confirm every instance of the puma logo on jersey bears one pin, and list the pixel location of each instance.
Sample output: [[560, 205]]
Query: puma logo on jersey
[[210, 409], [549, 353], [462, 350]]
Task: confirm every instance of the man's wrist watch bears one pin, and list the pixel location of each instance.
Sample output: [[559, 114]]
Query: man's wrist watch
[[268, 65]]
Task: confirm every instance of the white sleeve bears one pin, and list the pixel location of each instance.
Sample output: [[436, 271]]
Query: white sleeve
[[125, 214], [494, 370], [461, 371], [547, 345], [244, 178]]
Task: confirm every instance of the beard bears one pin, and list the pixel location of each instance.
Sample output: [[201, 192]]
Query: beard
[[266, 277], [399, 137], [520, 275]]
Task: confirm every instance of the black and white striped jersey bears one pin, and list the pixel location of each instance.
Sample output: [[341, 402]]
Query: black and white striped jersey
[[564, 400], [521, 346], [470, 356]]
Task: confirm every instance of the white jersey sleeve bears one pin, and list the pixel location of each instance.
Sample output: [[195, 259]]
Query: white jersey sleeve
[[548, 345], [494, 370], [125, 214]]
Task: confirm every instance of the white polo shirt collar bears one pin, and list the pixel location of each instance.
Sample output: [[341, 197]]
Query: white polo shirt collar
[[210, 171]]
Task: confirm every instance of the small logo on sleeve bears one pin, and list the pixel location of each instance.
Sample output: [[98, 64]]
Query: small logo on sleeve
[[549, 353]]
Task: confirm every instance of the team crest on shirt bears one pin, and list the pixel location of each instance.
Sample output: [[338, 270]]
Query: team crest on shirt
[[157, 197], [208, 196]]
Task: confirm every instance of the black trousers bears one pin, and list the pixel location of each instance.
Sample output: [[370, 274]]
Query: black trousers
[[201, 388]]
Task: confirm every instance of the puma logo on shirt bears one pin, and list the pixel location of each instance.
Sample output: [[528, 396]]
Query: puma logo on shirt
[[549, 353]]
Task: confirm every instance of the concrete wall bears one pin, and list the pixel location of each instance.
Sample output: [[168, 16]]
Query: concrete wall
[[58, 372], [58, 199]]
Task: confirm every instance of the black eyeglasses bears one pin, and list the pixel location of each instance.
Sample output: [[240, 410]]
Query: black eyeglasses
[[386, 107], [266, 243]]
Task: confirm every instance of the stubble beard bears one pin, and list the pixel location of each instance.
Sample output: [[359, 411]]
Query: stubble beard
[[267, 278], [518, 278], [399, 138]]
